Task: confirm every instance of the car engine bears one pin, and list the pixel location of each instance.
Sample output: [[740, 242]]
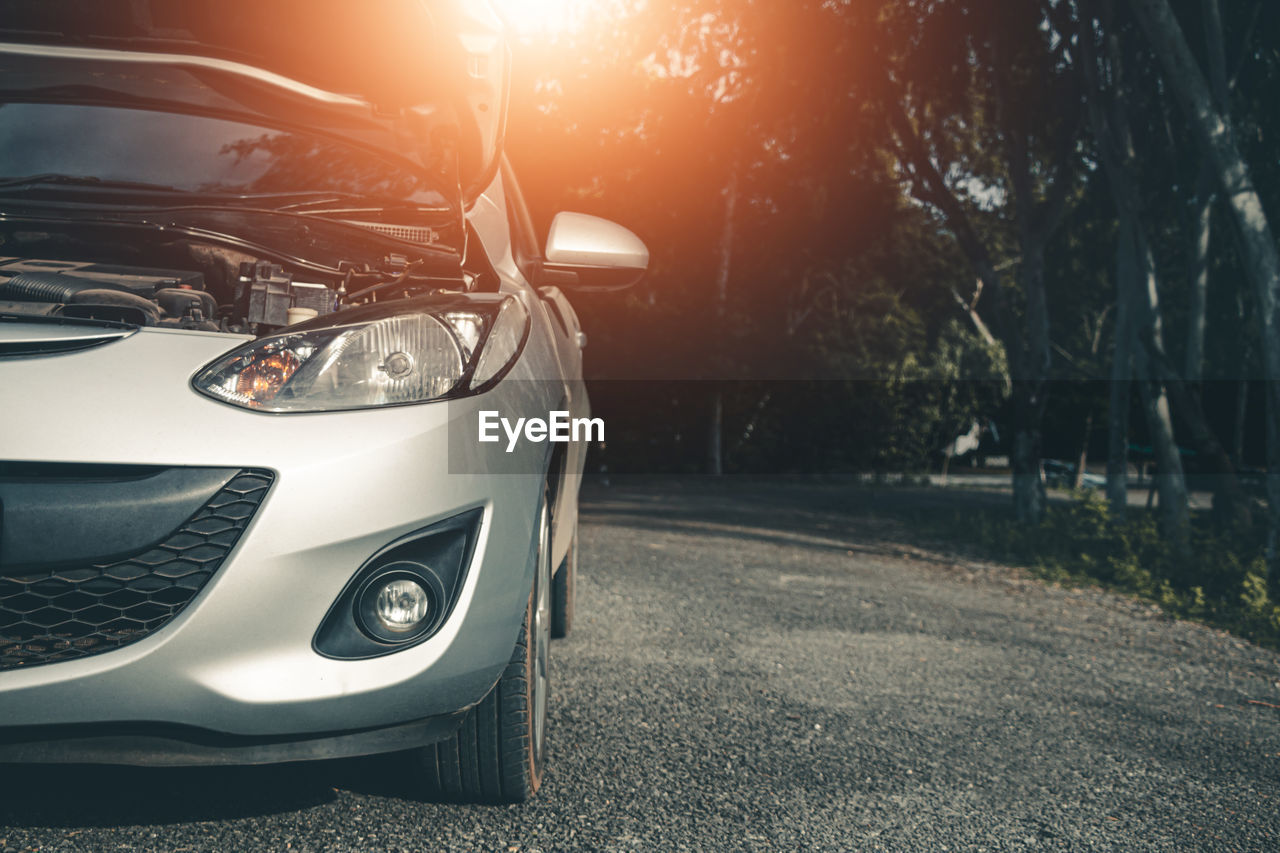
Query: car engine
[[263, 295]]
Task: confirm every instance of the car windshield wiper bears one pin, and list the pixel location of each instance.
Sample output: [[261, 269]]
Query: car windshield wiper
[[284, 198], [53, 178], [336, 202]]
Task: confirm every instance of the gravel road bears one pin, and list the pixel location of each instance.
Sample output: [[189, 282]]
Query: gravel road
[[782, 666]]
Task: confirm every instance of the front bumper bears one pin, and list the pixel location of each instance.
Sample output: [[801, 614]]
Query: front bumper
[[152, 745], [238, 660]]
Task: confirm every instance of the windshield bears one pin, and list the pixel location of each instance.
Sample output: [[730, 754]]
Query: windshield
[[194, 154]]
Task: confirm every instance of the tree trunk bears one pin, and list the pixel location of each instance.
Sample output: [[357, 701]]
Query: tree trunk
[[1216, 51], [1202, 220], [1137, 286], [1121, 381], [715, 425], [1242, 412], [1109, 120], [1243, 362], [1273, 491], [1082, 460], [1202, 225], [1030, 387], [1170, 482], [726, 244], [1136, 273], [1029, 498], [1138, 292], [1230, 504]]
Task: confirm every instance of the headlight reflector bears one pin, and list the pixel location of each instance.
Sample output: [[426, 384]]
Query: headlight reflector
[[404, 358], [397, 360], [261, 380]]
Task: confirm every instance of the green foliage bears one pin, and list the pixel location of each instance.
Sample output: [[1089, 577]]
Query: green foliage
[[1223, 582], [891, 391]]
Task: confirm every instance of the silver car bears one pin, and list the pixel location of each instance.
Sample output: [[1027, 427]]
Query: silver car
[[270, 302]]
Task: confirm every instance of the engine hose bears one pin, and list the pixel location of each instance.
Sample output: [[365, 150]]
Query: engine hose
[[48, 287]]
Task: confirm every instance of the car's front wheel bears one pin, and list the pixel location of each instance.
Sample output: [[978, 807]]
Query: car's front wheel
[[499, 752], [563, 592]]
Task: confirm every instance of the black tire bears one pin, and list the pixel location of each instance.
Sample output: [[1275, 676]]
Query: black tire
[[563, 592], [498, 755]]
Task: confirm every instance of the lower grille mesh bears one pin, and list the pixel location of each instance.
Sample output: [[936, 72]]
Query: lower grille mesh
[[73, 611]]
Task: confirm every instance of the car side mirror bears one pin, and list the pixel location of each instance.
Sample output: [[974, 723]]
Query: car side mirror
[[593, 254]]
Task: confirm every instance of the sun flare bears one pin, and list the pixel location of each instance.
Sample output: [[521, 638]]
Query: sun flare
[[542, 17]]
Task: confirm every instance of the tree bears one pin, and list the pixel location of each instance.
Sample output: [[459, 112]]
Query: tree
[[1114, 112], [1018, 154], [1216, 137]]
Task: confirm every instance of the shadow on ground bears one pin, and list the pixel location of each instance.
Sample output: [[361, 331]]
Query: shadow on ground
[[820, 516], [73, 796]]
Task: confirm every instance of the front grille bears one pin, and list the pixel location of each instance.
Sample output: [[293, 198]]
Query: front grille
[[58, 614]]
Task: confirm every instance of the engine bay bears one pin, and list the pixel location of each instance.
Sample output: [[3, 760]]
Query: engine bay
[[135, 295], [196, 285]]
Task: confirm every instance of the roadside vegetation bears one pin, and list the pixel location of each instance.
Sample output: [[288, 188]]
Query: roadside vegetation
[[1220, 581]]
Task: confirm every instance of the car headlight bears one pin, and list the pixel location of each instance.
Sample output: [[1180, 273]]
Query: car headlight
[[412, 357]]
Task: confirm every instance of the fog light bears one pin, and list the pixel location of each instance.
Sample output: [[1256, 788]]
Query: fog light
[[378, 613], [401, 605], [397, 605]]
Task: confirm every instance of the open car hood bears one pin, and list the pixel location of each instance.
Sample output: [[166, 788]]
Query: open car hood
[[423, 80]]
